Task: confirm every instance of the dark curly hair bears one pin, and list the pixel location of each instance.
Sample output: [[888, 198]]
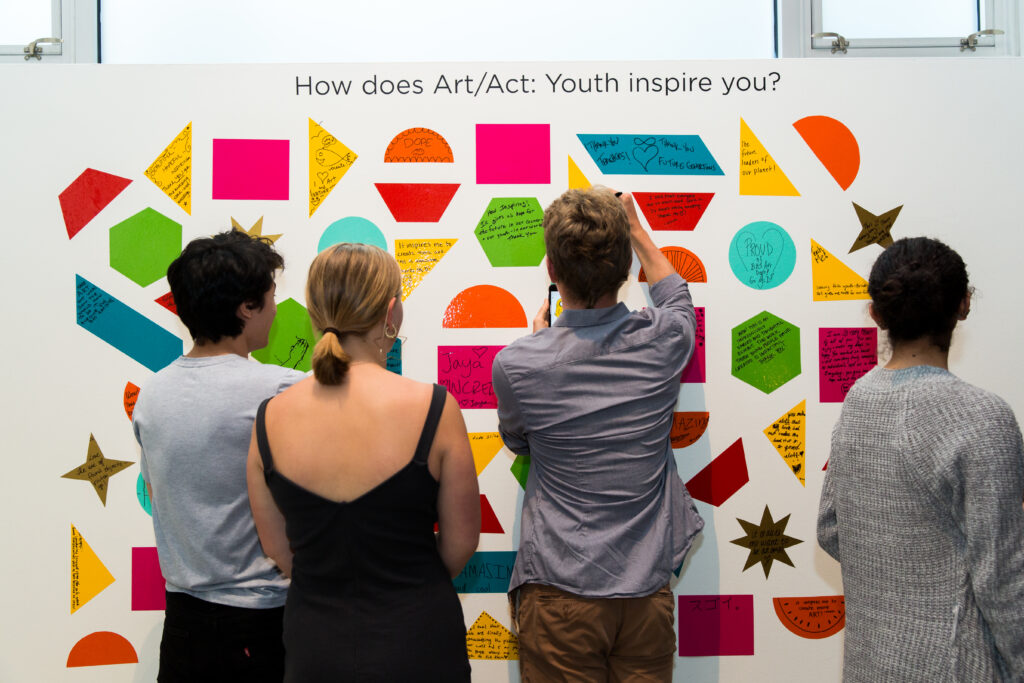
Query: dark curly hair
[[916, 288]]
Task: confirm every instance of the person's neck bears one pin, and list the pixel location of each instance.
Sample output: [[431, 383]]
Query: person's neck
[[226, 345], [917, 352], [363, 351], [606, 301]]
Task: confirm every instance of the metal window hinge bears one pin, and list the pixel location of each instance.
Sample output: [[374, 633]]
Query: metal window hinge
[[971, 41], [838, 45], [34, 49]]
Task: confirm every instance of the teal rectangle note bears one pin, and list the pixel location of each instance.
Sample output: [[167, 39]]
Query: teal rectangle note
[[650, 154], [486, 572], [124, 328]]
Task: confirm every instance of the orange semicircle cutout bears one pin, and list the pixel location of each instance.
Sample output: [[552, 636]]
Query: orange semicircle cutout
[[419, 145], [834, 145], [685, 262], [687, 428], [814, 617], [102, 648], [484, 306]]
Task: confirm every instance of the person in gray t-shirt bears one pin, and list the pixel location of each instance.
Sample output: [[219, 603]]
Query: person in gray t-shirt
[[194, 420]]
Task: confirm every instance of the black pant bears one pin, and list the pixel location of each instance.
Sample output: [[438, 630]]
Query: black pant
[[204, 641]]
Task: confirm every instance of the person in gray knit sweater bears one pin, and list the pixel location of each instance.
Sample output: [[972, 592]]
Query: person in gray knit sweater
[[921, 503]]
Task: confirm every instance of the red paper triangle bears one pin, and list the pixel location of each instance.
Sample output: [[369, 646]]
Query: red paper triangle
[[167, 301], [673, 210], [417, 202], [489, 523], [723, 476], [87, 196]]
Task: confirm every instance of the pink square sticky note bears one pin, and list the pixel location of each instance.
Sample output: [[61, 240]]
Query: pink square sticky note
[[514, 153], [147, 581], [844, 354], [466, 372], [250, 169], [716, 625], [694, 371]]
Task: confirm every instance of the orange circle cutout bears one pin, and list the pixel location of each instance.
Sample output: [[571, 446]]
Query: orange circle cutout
[[813, 617]]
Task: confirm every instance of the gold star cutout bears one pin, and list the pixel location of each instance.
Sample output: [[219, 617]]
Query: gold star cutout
[[874, 229], [766, 542], [97, 470], [257, 230]]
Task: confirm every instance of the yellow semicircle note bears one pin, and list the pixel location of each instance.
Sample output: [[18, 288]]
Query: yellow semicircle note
[[759, 174], [577, 181], [89, 576], [329, 160], [832, 279]]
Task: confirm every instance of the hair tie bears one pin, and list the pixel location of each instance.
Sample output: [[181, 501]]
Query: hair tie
[[337, 333]]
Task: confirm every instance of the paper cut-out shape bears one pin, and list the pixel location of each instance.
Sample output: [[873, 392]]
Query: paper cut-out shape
[[766, 541], [716, 625], [488, 639], [874, 229], [329, 161], [722, 477], [394, 359], [485, 446], [486, 572], [148, 583], [832, 279], [844, 355], [167, 301], [291, 339], [765, 351], [814, 617], [834, 145], [520, 469], [102, 648], [511, 232], [762, 255], [172, 170], [484, 306], [759, 174], [513, 153], [142, 246], [577, 181], [352, 229], [787, 434], [632, 154], [89, 576], [97, 470], [250, 169], [466, 372], [142, 493], [416, 258], [695, 371], [417, 202], [86, 196], [489, 523], [131, 395], [256, 231], [685, 263], [123, 328], [418, 146], [687, 428], [673, 210]]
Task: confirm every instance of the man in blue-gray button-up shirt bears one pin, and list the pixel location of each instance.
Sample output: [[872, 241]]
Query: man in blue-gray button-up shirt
[[606, 517]]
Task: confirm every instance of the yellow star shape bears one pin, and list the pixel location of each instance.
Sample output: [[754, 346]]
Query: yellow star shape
[[874, 229], [97, 470], [255, 231], [766, 541]]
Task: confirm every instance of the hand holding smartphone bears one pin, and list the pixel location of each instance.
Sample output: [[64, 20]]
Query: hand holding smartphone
[[554, 303]]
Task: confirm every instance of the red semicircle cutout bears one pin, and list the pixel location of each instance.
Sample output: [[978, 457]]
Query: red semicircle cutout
[[484, 306]]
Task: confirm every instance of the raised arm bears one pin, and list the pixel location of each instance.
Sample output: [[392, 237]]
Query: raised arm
[[655, 265], [270, 524], [458, 499]]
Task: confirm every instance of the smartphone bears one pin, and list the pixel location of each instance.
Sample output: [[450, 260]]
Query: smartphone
[[554, 304]]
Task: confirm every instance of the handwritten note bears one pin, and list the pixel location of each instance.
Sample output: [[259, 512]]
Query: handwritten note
[[466, 372], [131, 395], [89, 576], [762, 255], [513, 153], [765, 352], [874, 229], [418, 146], [759, 174], [329, 161], [486, 572], [716, 625], [172, 170], [97, 470], [488, 639], [844, 355], [832, 279], [394, 359], [695, 371], [673, 210], [685, 262], [291, 339], [787, 434], [416, 258], [142, 493], [766, 542], [485, 446], [687, 428], [511, 232], [644, 154]]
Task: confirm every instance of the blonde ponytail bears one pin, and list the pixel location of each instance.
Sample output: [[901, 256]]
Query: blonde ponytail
[[330, 362]]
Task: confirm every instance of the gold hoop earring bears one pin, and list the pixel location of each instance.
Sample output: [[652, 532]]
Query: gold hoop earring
[[390, 333]]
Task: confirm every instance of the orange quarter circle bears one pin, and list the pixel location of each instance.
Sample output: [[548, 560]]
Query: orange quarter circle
[[419, 145], [484, 306]]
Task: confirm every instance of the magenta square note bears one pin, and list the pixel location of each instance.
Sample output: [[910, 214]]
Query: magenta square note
[[466, 372], [716, 625], [844, 355], [250, 169], [147, 581], [515, 153]]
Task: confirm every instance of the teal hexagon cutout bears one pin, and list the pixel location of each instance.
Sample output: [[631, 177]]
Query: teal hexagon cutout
[[291, 338], [141, 247], [765, 351], [511, 231]]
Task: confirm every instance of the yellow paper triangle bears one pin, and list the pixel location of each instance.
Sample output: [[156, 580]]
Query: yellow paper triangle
[[787, 434], [329, 160], [88, 575], [416, 258], [759, 174], [485, 446], [488, 639], [172, 170], [832, 279], [577, 181]]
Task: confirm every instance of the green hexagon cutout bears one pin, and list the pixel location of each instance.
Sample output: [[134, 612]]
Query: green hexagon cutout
[[765, 351], [291, 338], [511, 231], [141, 247]]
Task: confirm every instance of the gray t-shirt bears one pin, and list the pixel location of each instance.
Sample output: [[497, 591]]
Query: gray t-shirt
[[194, 420]]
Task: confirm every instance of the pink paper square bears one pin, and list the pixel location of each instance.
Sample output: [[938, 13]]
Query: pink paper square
[[694, 372], [250, 169], [147, 582], [716, 625], [513, 153], [466, 372], [844, 355]]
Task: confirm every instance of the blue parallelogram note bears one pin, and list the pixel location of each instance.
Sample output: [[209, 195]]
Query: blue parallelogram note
[[124, 328], [486, 572], [650, 154]]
